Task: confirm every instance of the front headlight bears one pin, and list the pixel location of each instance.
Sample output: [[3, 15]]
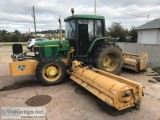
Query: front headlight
[[127, 93]]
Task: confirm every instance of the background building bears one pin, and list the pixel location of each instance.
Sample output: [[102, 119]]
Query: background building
[[149, 33]]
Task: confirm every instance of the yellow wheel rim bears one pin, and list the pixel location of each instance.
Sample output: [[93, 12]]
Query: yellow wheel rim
[[110, 62], [51, 72]]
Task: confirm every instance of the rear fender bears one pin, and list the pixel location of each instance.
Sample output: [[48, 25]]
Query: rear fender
[[97, 40]]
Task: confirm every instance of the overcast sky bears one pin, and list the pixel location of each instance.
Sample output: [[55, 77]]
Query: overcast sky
[[16, 14]]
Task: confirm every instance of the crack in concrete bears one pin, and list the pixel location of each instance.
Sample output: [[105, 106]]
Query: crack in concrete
[[12, 97], [148, 112], [35, 90], [151, 96]]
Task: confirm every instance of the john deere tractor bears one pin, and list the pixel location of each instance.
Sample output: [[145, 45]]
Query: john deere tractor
[[87, 56], [85, 41]]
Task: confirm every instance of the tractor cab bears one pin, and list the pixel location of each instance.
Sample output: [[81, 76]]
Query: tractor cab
[[86, 35], [81, 30]]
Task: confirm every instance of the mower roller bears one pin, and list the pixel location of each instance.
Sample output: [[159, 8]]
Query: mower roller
[[136, 62], [116, 91]]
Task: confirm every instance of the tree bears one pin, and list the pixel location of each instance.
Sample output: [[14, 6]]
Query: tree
[[1, 39], [3, 32], [134, 34], [105, 32], [117, 31], [16, 32], [15, 38]]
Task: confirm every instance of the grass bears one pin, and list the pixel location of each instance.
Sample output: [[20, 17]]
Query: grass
[[157, 69], [11, 43]]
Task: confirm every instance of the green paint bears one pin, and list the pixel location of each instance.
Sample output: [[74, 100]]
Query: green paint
[[52, 48], [51, 43], [85, 17], [97, 39]]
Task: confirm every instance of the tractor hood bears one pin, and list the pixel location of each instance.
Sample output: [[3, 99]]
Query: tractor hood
[[52, 43]]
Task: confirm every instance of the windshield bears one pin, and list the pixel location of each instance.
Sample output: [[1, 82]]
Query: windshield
[[70, 29]]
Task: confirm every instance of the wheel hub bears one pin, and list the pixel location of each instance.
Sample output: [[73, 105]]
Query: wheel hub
[[51, 71], [110, 62], [107, 61]]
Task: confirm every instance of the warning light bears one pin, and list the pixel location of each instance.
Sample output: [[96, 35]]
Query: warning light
[[72, 10]]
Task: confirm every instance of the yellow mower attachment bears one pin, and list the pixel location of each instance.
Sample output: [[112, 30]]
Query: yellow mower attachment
[[26, 67], [116, 91], [135, 62]]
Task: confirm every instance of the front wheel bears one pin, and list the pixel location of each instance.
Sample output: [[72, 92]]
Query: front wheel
[[32, 49], [50, 73]]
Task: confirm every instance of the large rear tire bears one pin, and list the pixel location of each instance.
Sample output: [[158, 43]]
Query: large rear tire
[[51, 72], [109, 58]]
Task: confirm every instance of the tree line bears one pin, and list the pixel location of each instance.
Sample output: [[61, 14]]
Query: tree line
[[15, 36], [115, 30], [120, 34]]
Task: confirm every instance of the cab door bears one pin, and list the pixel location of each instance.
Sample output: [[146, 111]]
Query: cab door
[[85, 35]]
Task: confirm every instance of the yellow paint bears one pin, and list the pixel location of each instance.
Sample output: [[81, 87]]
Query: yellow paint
[[26, 67], [107, 61], [136, 62], [114, 90], [65, 61], [51, 72], [110, 63]]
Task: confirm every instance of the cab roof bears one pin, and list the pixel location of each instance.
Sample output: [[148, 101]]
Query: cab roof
[[85, 17]]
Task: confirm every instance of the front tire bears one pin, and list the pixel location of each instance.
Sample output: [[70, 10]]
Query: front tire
[[109, 58], [32, 49], [51, 72]]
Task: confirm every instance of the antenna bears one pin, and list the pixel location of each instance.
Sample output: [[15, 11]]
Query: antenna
[[34, 17], [95, 5], [147, 18]]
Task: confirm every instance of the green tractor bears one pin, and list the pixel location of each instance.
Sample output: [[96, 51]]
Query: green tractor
[[84, 41]]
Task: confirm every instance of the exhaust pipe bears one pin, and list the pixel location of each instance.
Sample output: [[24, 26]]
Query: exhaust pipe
[[60, 28]]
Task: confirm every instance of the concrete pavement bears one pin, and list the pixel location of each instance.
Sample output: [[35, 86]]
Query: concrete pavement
[[66, 104]]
